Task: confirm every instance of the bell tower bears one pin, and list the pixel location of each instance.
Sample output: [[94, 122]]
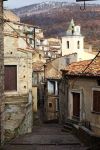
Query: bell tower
[[73, 42]]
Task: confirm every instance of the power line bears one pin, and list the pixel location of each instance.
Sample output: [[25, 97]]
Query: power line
[[86, 68], [43, 57], [30, 45]]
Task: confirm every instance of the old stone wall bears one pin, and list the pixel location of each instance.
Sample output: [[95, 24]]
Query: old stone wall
[[23, 61], [18, 116], [63, 101], [1, 73], [18, 106]]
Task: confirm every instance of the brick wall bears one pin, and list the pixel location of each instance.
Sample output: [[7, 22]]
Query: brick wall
[[1, 72]]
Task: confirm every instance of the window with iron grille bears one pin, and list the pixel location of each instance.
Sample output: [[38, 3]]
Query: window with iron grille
[[10, 77]]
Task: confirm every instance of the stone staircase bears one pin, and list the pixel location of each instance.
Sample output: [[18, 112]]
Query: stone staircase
[[70, 125]]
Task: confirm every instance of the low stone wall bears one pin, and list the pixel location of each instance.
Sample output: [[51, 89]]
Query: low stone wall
[[18, 117], [27, 122], [86, 136]]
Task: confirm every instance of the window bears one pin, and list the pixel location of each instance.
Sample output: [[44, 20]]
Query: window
[[98, 82], [30, 41], [51, 87], [68, 44], [78, 44], [72, 30], [34, 78], [40, 56], [96, 101], [50, 105], [10, 77]]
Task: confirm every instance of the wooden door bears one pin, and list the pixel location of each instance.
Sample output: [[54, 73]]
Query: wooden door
[[10, 80], [76, 104]]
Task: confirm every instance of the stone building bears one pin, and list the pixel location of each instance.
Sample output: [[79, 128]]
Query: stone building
[[1, 75], [53, 76], [18, 42], [80, 95]]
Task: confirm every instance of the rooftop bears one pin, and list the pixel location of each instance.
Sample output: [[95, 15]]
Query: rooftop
[[77, 68], [38, 66]]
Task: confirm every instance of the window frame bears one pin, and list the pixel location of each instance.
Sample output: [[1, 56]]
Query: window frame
[[13, 90], [78, 44], [67, 44], [92, 107]]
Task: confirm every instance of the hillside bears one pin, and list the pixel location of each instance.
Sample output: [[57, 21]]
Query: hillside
[[54, 18]]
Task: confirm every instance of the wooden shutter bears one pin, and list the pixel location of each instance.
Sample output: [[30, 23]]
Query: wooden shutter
[[96, 101], [10, 80]]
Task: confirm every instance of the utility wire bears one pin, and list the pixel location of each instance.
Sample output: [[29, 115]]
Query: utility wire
[[43, 57], [28, 43], [86, 68]]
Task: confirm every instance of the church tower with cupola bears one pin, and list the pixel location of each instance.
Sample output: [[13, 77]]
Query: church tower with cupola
[[73, 42]]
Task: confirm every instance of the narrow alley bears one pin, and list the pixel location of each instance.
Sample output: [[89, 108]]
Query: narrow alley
[[46, 137]]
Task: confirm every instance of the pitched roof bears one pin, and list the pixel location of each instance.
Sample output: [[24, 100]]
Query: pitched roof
[[38, 66], [77, 68]]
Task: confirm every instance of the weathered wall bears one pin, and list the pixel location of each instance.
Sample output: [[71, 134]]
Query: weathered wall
[[11, 16], [52, 71], [18, 111], [63, 100], [85, 87], [1, 75], [52, 114], [18, 116], [34, 94], [23, 60], [52, 68]]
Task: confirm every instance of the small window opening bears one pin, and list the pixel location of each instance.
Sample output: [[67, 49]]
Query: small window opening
[[50, 105], [98, 82], [68, 44]]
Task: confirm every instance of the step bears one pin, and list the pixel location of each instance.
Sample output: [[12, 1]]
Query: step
[[72, 121], [68, 127], [65, 130], [69, 124]]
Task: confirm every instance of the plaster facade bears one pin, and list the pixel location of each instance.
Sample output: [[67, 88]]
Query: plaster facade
[[73, 42], [85, 87]]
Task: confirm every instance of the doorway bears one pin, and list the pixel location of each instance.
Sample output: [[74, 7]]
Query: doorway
[[76, 105]]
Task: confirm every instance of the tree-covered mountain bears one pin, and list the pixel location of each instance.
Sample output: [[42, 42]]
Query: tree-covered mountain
[[54, 18]]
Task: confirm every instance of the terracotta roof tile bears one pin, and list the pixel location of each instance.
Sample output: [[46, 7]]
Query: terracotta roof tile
[[38, 66], [78, 67]]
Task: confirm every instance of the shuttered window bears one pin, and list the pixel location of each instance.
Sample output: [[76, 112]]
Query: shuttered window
[[10, 80], [96, 101]]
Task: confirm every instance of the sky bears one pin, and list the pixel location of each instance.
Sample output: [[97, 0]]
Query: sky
[[19, 3]]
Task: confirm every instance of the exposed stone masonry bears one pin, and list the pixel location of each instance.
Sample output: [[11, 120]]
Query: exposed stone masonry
[[1, 71]]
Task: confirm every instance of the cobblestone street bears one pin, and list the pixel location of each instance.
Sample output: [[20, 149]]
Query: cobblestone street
[[46, 137]]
